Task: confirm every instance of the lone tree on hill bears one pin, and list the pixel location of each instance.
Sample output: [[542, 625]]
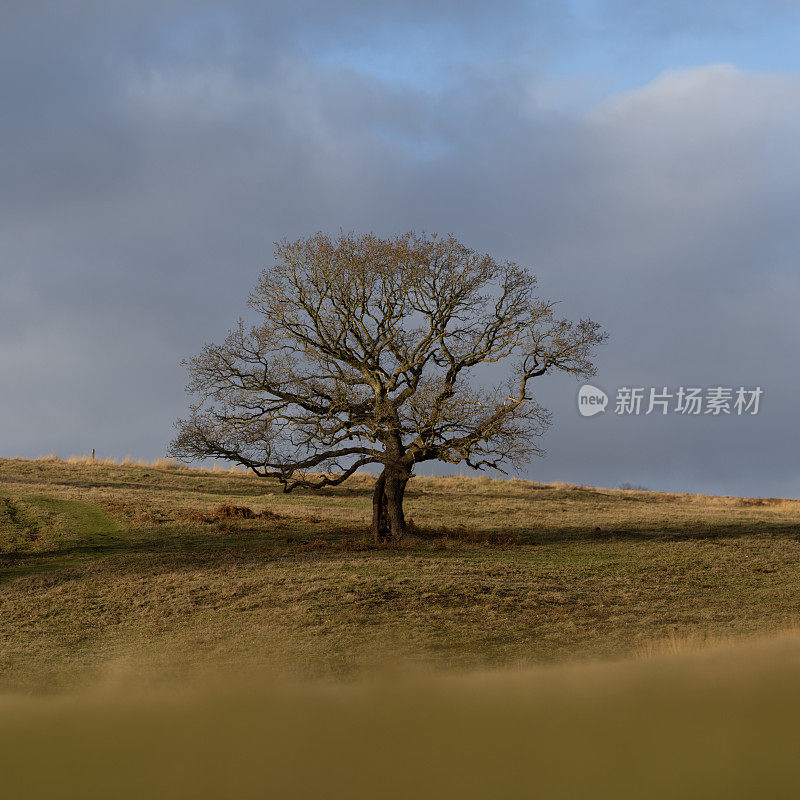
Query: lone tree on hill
[[365, 353]]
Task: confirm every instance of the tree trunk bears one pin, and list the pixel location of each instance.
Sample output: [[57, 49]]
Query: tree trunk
[[388, 520]]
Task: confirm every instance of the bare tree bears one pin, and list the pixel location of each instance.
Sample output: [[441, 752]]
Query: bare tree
[[368, 351]]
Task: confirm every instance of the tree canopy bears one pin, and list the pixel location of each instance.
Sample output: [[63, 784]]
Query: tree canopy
[[370, 350]]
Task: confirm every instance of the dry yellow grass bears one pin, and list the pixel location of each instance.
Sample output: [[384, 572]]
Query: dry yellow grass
[[106, 565]]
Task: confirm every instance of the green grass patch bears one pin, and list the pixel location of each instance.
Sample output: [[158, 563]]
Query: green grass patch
[[39, 523]]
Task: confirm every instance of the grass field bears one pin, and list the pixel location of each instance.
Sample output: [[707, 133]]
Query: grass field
[[123, 569], [573, 639]]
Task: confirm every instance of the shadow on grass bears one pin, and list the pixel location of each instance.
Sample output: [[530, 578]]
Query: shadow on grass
[[580, 533], [224, 490], [154, 549]]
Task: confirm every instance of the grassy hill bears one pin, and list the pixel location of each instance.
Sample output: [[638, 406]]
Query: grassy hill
[[196, 634], [145, 574]]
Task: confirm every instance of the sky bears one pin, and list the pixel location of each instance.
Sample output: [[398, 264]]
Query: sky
[[643, 159]]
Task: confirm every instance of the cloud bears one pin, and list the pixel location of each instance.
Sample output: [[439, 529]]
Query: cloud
[[664, 18], [150, 162]]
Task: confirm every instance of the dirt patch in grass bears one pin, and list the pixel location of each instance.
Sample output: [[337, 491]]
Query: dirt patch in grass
[[227, 511], [758, 501]]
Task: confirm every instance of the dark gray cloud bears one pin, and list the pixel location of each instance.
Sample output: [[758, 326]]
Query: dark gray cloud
[[150, 157]]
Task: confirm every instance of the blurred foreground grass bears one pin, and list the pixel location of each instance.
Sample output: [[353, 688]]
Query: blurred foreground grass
[[717, 723]]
